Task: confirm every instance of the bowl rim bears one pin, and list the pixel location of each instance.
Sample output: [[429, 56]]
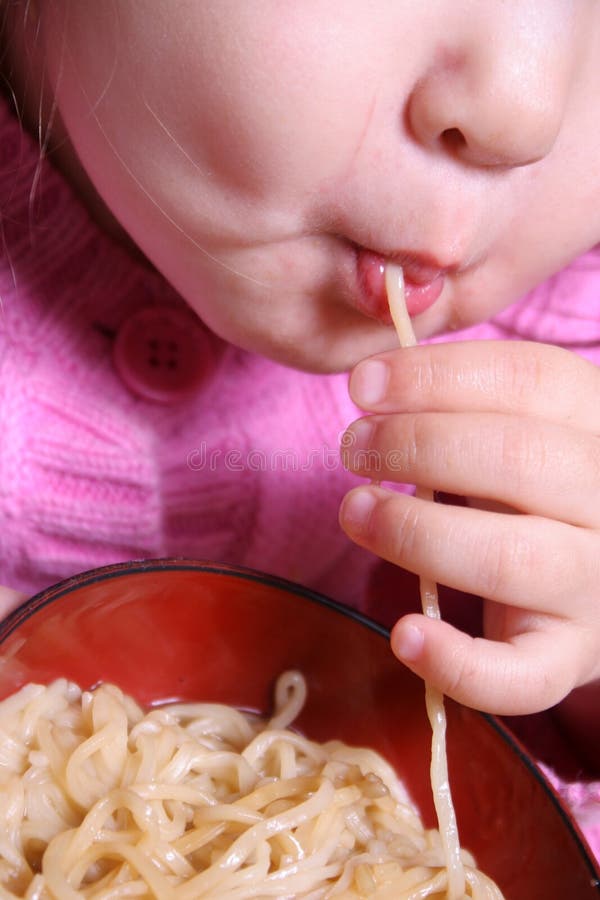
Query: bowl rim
[[67, 586]]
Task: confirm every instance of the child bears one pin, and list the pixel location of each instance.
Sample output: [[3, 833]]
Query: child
[[262, 161]]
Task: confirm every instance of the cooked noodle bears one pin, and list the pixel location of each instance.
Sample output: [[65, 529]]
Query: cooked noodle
[[101, 799], [434, 699]]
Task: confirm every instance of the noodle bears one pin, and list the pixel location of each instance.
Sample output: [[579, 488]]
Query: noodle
[[102, 800], [434, 699]]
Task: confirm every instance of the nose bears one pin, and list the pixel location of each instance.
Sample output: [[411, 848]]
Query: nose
[[490, 105]]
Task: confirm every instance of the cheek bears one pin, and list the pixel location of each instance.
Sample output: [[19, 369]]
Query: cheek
[[227, 96], [263, 106]]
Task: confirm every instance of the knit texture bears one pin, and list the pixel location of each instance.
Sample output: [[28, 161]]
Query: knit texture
[[91, 474], [246, 471]]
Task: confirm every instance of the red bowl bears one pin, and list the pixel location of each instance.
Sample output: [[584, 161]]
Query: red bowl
[[173, 629]]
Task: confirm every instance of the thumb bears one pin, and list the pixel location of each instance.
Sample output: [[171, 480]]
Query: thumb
[[9, 600]]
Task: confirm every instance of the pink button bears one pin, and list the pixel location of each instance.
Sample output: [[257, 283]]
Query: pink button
[[163, 354]]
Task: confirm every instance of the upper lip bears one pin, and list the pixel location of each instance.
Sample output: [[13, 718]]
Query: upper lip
[[418, 268]]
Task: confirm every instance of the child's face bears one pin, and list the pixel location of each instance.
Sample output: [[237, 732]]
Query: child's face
[[254, 150]]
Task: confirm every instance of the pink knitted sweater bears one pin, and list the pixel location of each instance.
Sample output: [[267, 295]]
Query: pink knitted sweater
[[92, 473]]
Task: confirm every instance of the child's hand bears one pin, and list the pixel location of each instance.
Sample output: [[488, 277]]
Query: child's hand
[[9, 600], [510, 424]]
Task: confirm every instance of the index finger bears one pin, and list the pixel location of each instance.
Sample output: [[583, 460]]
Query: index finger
[[518, 377]]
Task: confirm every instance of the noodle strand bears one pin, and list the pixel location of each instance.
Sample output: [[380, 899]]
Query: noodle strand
[[434, 700]]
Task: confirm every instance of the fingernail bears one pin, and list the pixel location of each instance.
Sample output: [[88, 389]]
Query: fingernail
[[354, 442], [368, 382], [408, 642], [358, 436], [356, 510]]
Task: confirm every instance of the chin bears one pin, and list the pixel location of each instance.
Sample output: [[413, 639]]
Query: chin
[[330, 357], [326, 343], [305, 359]]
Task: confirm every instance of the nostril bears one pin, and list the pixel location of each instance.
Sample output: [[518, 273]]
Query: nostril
[[452, 139]]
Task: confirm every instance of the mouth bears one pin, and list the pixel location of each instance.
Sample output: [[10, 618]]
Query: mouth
[[423, 281]]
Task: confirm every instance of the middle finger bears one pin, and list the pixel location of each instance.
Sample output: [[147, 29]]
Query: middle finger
[[532, 465]]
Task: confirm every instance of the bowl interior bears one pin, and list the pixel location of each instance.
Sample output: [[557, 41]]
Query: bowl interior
[[173, 630]]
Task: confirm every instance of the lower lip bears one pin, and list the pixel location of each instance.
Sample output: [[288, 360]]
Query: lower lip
[[372, 294]]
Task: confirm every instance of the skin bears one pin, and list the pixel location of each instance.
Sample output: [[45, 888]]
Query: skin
[[454, 418], [9, 600], [245, 149]]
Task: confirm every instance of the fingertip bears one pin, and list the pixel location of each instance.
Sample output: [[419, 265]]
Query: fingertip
[[407, 640], [356, 510], [442, 655], [368, 382]]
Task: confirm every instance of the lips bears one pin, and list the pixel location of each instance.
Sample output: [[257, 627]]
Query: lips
[[423, 285]]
